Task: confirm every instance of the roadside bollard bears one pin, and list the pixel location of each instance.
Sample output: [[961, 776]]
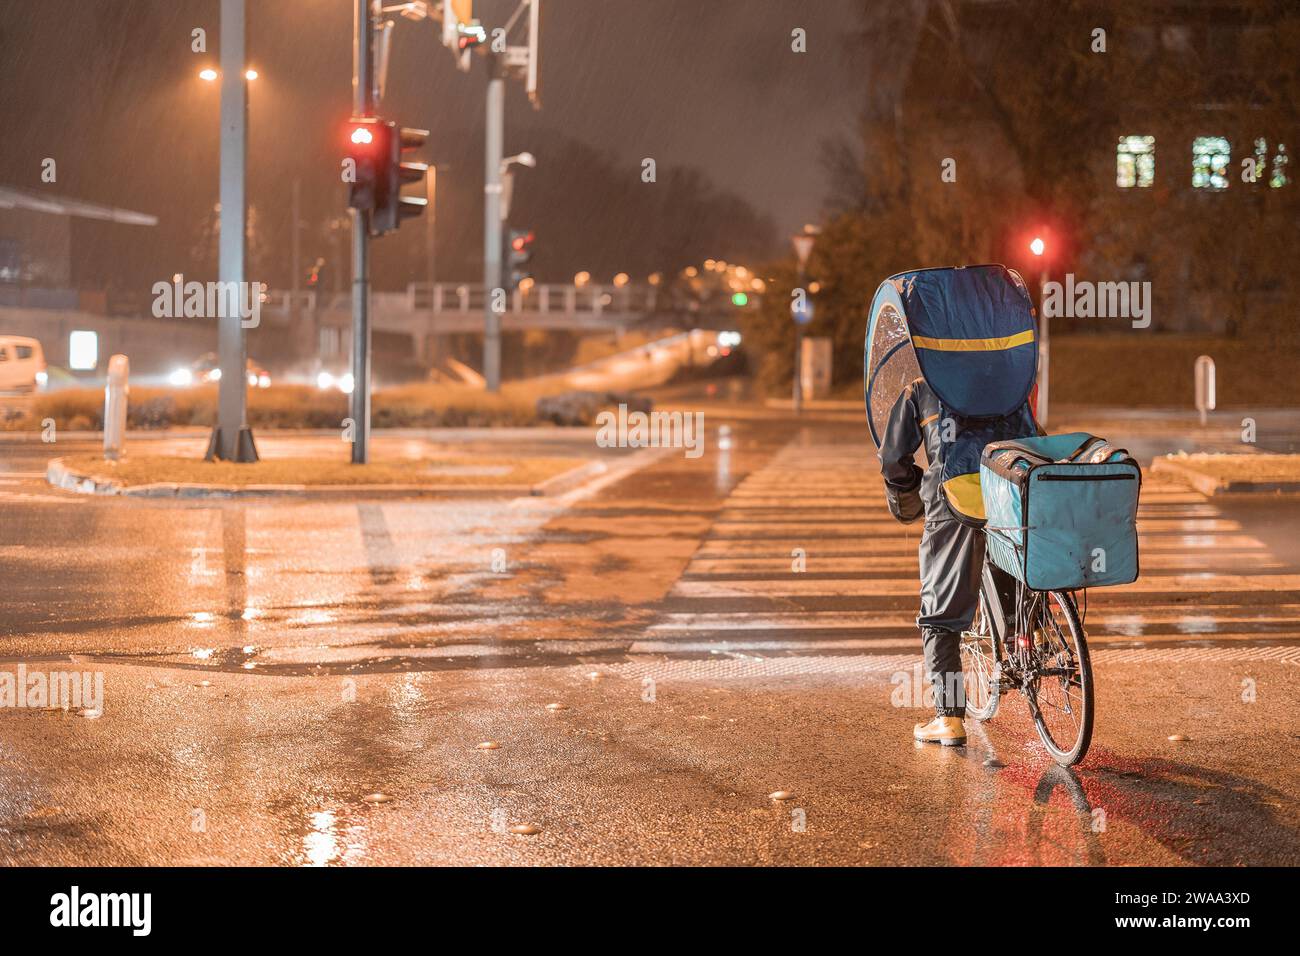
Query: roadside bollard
[[115, 392], [1204, 386]]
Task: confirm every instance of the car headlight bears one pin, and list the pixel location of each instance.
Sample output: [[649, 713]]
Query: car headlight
[[263, 381], [324, 380], [346, 384], [181, 378], [42, 378]]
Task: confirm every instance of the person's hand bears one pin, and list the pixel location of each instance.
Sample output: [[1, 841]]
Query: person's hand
[[905, 503]]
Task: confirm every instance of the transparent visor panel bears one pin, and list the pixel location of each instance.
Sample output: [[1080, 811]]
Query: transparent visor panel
[[891, 366]]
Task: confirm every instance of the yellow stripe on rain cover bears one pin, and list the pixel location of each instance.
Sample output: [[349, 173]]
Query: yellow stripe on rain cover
[[974, 345], [964, 495]]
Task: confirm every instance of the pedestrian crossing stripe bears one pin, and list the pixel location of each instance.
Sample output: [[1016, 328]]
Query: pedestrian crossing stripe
[[854, 554]]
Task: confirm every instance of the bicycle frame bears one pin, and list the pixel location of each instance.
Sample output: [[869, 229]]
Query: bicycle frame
[[1010, 621]]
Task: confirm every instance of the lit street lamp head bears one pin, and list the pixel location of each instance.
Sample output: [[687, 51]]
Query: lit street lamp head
[[209, 75], [523, 159]]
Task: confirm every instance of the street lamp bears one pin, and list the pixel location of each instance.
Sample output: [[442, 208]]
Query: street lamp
[[209, 75], [523, 159], [508, 178], [1039, 248]]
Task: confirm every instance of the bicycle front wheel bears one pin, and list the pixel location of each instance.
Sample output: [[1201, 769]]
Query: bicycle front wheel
[[1060, 691]]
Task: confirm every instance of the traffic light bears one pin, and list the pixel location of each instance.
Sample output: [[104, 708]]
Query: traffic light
[[391, 207], [366, 145], [519, 252]]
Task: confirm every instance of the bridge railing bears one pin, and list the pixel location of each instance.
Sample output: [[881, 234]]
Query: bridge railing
[[459, 297]]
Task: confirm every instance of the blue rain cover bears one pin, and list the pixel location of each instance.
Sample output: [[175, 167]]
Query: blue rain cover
[[973, 331]]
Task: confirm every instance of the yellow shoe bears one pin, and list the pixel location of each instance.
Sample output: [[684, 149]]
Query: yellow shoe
[[949, 731]]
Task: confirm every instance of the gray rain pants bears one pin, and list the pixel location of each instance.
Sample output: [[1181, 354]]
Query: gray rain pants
[[952, 558]]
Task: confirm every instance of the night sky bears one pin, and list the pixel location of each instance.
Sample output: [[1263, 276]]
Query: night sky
[[109, 89]]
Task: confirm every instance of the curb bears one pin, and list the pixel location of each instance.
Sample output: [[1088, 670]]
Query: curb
[[59, 475], [1214, 485]]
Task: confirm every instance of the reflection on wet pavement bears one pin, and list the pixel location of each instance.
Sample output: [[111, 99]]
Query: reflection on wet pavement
[[315, 680]]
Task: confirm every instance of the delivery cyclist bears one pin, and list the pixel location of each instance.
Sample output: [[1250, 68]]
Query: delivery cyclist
[[951, 553]]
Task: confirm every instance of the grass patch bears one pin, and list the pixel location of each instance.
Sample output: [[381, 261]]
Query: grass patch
[[425, 405], [1145, 369], [468, 472], [1242, 467]]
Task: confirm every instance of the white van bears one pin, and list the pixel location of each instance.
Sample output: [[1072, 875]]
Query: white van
[[22, 364]]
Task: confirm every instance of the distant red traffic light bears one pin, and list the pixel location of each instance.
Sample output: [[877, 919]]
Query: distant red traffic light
[[362, 136], [519, 243], [1037, 247]]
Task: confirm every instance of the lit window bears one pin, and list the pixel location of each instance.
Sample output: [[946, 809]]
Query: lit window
[[83, 351], [1210, 158], [1135, 161], [1280, 159]]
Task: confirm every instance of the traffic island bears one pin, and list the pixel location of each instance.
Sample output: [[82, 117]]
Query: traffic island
[[1224, 474], [467, 477]]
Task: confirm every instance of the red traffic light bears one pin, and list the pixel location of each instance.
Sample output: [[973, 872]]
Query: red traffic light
[[519, 243], [362, 136]]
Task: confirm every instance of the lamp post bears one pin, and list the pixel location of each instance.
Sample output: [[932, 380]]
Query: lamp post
[[1039, 248], [803, 243], [232, 440]]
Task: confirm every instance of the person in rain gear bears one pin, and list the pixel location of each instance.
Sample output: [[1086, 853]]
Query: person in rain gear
[[950, 365], [951, 554]]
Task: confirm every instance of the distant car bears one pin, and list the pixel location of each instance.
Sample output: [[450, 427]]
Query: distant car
[[208, 369], [22, 364]]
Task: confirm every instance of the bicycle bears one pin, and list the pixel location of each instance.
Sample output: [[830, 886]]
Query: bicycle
[[1034, 642]]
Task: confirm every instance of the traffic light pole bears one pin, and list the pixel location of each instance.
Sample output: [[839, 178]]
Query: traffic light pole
[[231, 438], [796, 401], [496, 93], [362, 105]]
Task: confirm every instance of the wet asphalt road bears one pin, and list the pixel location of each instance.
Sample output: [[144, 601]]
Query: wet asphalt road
[[309, 683]]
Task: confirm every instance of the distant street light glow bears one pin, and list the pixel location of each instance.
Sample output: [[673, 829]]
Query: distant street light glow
[[250, 74], [208, 75]]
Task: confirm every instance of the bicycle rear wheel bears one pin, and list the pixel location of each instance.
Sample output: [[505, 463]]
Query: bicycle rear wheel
[[1060, 691], [980, 654]]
